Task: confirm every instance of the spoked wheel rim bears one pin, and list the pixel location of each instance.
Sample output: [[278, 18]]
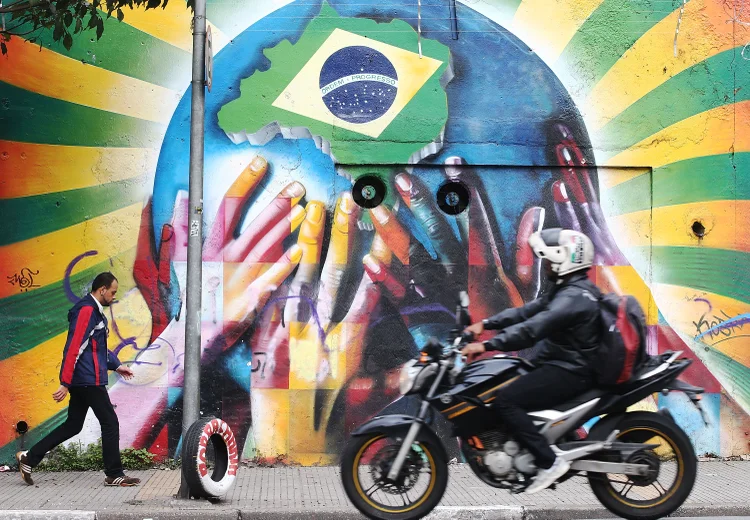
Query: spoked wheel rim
[[667, 469], [412, 488]]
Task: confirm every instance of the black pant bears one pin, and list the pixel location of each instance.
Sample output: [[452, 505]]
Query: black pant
[[540, 389], [81, 399]]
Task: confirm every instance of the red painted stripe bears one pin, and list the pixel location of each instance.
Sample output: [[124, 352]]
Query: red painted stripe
[[96, 360], [82, 323]]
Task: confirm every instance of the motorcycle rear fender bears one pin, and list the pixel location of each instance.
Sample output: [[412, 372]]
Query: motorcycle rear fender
[[398, 425]]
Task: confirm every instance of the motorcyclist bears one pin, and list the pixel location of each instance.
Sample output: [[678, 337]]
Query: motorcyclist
[[566, 322]]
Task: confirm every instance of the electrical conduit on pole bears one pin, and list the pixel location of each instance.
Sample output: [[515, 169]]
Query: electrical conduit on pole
[[191, 385]]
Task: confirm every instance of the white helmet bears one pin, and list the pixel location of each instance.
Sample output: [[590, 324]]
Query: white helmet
[[568, 251]]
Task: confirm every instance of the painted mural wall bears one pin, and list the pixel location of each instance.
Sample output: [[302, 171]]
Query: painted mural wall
[[365, 161]]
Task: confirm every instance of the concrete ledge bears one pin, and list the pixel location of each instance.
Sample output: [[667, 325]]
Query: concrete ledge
[[179, 514], [48, 515], [440, 513]]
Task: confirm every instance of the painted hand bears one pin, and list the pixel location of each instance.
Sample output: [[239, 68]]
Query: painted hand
[[252, 265], [310, 340], [443, 262]]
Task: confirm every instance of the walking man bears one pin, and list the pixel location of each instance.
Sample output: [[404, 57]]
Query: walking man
[[83, 375]]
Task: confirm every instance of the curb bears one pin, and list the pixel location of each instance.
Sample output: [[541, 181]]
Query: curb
[[440, 513], [49, 514]]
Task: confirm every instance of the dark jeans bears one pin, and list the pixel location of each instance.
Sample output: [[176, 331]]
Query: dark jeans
[[81, 399], [540, 389]]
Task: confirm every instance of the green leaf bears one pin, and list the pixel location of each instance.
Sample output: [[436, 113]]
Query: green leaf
[[99, 28], [92, 21], [58, 32], [79, 25], [120, 15], [68, 17], [67, 41]]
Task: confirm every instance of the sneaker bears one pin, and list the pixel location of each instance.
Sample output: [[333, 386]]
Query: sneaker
[[546, 477], [24, 468], [122, 481]]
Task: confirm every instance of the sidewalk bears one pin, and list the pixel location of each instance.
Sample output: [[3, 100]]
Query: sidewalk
[[723, 488]]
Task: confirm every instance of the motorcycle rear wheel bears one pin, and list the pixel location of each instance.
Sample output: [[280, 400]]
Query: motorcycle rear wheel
[[358, 456], [675, 455]]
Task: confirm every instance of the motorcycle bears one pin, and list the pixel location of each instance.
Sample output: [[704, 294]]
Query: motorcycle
[[640, 465]]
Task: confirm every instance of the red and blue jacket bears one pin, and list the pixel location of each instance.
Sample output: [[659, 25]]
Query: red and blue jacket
[[86, 358]]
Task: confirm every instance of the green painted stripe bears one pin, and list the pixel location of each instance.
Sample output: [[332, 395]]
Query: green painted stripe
[[693, 180], [28, 217], [35, 434], [128, 51], [36, 316], [706, 85], [33, 118], [605, 36], [732, 371], [720, 271]]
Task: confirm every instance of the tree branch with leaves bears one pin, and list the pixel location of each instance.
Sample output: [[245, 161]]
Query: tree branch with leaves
[[32, 19]]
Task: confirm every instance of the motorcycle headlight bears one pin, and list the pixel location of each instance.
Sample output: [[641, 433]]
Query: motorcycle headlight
[[408, 375]]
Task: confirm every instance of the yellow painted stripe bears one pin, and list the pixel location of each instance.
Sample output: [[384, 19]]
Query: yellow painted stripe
[[709, 133], [630, 282], [50, 168], [685, 308], [40, 369], [51, 74], [650, 61], [40, 366], [171, 24], [611, 177], [548, 26], [671, 225], [50, 254]]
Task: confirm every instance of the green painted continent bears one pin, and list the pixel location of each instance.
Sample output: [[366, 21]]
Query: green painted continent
[[416, 131]]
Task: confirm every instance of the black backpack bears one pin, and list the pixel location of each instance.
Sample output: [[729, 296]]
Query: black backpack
[[623, 347]]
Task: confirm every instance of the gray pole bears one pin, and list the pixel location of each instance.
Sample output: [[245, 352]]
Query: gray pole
[[191, 386]]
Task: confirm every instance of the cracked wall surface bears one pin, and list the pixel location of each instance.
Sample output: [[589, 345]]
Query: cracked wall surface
[[359, 172]]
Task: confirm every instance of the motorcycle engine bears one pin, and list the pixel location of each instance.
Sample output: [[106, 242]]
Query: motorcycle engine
[[499, 453], [503, 456], [499, 463]]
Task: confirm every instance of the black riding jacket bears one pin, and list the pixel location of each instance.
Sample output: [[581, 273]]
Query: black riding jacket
[[565, 323]]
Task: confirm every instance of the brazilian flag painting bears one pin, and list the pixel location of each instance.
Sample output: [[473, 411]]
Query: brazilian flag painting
[[351, 84]]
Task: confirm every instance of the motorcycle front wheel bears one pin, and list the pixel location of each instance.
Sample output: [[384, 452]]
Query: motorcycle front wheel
[[419, 487], [673, 463]]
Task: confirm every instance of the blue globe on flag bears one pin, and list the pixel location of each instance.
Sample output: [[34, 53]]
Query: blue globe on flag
[[358, 84]]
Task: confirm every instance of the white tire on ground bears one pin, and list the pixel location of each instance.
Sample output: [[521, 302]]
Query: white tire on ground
[[202, 480]]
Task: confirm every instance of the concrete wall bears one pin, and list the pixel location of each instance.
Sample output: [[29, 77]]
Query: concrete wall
[[598, 115]]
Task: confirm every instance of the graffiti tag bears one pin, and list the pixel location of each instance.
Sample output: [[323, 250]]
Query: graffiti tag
[[24, 279], [718, 324]]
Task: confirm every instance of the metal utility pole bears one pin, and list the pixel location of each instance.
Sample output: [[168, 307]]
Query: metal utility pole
[[191, 385]]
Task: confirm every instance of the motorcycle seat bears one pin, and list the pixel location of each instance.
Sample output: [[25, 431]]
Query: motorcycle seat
[[579, 400]]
